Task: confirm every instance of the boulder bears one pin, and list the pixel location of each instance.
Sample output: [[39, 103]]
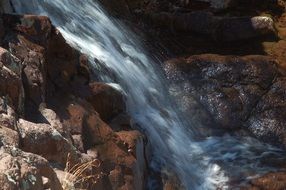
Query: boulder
[[83, 120], [50, 117], [106, 100], [63, 62], [8, 117], [243, 28], [268, 118], [134, 140], [21, 170], [122, 122], [42, 139], [220, 29], [226, 88], [27, 37], [230, 92], [10, 80], [48, 61], [9, 137], [122, 156]]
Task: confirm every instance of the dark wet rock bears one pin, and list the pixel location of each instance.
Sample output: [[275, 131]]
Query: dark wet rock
[[232, 93], [220, 29], [227, 87], [267, 120], [198, 22], [106, 100], [63, 61], [221, 4], [117, 7], [122, 122], [235, 29]]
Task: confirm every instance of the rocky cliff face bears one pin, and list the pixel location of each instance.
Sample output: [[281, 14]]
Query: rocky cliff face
[[52, 136]]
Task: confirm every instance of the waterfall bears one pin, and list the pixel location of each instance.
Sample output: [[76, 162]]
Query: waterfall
[[207, 163]]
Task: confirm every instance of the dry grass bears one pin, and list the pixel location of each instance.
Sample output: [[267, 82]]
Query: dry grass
[[81, 175]]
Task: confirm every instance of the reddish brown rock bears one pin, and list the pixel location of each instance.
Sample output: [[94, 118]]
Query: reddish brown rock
[[106, 100], [27, 37], [122, 122], [172, 182], [99, 141], [63, 61], [44, 140], [32, 35], [51, 118], [8, 117], [20, 170], [10, 79], [279, 51], [133, 140], [8, 137], [270, 181], [49, 62]]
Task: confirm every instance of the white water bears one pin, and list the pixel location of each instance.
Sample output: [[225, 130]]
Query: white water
[[204, 164]]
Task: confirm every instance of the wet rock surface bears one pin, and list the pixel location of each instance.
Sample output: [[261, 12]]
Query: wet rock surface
[[227, 87], [231, 93]]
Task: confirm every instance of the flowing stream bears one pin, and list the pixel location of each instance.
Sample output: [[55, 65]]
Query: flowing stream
[[199, 162]]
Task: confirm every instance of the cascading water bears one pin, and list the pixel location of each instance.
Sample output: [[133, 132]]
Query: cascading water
[[207, 163]]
